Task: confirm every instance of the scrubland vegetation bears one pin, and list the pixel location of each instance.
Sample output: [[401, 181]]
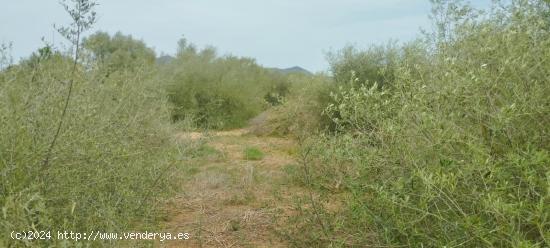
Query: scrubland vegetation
[[439, 142], [115, 141], [442, 142], [216, 92]]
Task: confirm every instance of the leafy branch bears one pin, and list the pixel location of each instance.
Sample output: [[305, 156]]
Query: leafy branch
[[83, 17]]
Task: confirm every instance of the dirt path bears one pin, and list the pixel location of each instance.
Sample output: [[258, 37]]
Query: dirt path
[[228, 200]]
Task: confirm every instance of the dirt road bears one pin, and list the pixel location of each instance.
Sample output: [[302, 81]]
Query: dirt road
[[228, 200]]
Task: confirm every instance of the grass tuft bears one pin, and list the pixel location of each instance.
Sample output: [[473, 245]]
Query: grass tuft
[[253, 153]]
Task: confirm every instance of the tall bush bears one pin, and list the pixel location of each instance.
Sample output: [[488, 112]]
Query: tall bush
[[456, 151], [102, 172], [219, 92]]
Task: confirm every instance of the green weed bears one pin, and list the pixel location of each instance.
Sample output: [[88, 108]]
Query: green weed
[[253, 153]]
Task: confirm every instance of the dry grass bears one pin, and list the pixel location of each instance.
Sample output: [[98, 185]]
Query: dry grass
[[234, 202]]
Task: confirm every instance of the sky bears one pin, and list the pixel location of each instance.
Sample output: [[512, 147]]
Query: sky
[[277, 33]]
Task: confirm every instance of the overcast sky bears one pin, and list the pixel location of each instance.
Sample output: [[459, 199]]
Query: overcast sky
[[278, 33]]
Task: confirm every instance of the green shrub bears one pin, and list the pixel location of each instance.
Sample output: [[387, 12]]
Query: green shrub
[[455, 152], [375, 65], [117, 53], [220, 92], [115, 142], [301, 111], [103, 171]]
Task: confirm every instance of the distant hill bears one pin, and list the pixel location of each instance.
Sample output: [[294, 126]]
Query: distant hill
[[167, 59], [292, 70]]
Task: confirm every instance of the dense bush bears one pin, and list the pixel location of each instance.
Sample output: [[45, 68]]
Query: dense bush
[[300, 112], [455, 152], [375, 64], [220, 92], [101, 176], [117, 53], [102, 172]]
